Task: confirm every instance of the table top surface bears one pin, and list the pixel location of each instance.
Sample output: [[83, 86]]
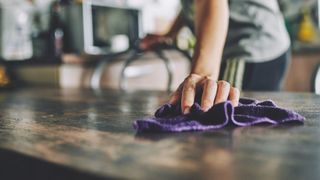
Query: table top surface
[[90, 133]]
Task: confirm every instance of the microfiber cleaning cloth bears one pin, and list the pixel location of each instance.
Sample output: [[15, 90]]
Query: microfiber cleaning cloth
[[168, 118]]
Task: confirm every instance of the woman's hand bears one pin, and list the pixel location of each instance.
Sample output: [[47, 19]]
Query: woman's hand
[[152, 40], [211, 92]]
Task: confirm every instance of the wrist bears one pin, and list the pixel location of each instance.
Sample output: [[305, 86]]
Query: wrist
[[206, 64], [203, 75], [170, 35], [206, 72]]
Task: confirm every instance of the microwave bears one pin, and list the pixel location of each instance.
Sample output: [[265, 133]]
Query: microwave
[[101, 27]]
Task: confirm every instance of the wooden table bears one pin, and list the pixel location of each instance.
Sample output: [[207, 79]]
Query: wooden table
[[73, 134]]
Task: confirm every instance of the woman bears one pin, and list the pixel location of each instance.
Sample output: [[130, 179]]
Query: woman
[[243, 42]]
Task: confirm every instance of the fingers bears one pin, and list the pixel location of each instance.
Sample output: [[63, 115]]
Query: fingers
[[147, 42], [212, 93], [152, 40], [222, 92], [188, 95], [209, 94], [189, 92], [176, 96], [234, 96]]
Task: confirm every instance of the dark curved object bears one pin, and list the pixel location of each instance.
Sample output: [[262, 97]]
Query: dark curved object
[[122, 81], [169, 67], [159, 52], [315, 81]]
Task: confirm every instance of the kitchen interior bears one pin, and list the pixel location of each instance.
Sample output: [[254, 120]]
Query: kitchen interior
[[81, 44], [74, 82]]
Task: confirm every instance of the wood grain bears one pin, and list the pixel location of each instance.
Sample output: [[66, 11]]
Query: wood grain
[[83, 134]]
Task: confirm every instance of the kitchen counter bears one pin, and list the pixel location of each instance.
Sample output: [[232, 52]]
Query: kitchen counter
[[84, 134]]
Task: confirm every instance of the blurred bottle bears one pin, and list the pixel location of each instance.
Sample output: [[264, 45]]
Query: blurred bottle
[[5, 81], [186, 40], [57, 30], [307, 31]]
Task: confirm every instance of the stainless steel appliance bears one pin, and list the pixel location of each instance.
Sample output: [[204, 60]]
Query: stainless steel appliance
[[95, 26]]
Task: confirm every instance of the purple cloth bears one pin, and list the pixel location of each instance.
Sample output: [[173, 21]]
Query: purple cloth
[[168, 118]]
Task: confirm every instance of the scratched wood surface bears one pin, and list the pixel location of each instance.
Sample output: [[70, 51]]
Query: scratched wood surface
[[82, 134]]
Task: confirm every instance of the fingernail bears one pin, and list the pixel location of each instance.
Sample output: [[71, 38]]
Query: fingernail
[[186, 110], [205, 109]]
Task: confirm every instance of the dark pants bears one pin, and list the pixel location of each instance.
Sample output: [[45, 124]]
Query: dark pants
[[264, 76]]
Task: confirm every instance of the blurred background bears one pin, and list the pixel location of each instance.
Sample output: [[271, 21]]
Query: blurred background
[[93, 44]]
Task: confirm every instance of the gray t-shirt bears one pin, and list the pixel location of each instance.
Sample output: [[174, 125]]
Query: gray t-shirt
[[256, 32]]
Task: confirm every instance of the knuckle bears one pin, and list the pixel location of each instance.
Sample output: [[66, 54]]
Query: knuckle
[[195, 76], [223, 83], [207, 77], [188, 79], [189, 87]]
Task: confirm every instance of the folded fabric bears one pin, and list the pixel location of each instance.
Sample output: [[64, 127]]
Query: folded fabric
[[168, 118]]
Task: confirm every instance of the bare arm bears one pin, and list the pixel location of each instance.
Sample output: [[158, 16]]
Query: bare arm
[[152, 40], [211, 21], [178, 23]]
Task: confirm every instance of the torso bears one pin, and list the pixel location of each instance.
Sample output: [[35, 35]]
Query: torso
[[256, 30]]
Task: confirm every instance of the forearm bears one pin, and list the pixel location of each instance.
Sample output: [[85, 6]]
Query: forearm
[[211, 21], [178, 23]]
